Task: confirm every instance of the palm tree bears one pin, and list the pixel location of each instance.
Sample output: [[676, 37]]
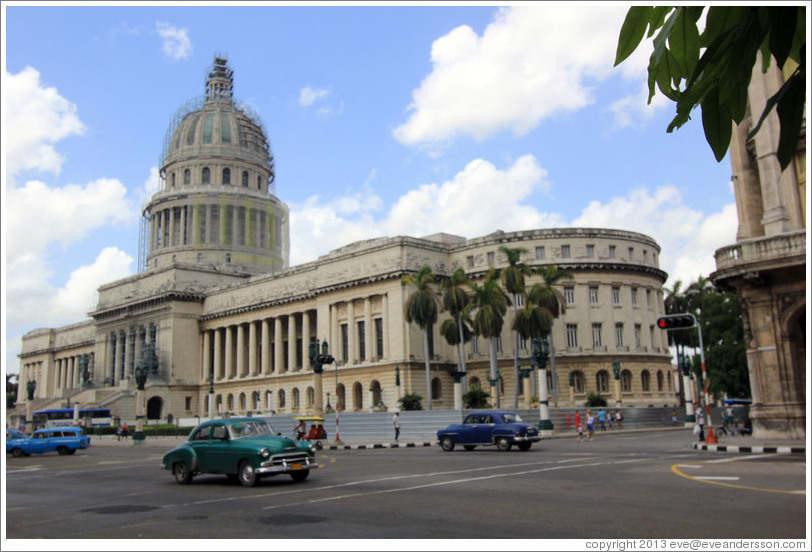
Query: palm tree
[[553, 300], [455, 331], [421, 308], [491, 304], [513, 281]]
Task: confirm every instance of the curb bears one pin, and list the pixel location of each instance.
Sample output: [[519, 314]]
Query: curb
[[378, 446], [750, 450]]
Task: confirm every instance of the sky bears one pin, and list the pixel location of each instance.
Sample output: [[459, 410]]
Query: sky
[[384, 120]]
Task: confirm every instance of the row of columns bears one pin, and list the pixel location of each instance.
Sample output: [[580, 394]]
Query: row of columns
[[67, 372], [209, 224], [124, 350]]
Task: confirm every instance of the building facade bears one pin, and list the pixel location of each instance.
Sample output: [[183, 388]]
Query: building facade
[[225, 325], [767, 267]]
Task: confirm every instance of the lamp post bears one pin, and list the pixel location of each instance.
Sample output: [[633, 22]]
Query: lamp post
[[316, 361], [616, 372], [319, 360], [30, 387], [141, 374], [685, 366], [211, 395], [538, 357]]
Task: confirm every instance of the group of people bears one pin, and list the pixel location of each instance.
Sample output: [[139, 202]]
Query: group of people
[[316, 431], [602, 419], [122, 431]]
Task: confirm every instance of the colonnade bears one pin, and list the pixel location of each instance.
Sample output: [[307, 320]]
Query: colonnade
[[124, 350], [67, 371], [217, 224]]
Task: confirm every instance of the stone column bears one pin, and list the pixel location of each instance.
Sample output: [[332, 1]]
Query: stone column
[[278, 358], [305, 337], [385, 324], [252, 349], [219, 372], [368, 339], [229, 350], [266, 347], [352, 345], [204, 377], [182, 233], [241, 367], [292, 342]]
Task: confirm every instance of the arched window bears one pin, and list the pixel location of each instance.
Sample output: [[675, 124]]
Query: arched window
[[626, 381], [206, 175], [187, 177], [230, 402], [281, 400], [296, 397], [341, 403], [578, 381], [357, 396], [311, 397], [269, 401], [256, 403], [375, 387], [602, 381], [173, 179], [645, 380], [659, 380], [219, 402], [436, 389], [245, 179], [475, 383], [226, 176], [242, 401], [259, 183]]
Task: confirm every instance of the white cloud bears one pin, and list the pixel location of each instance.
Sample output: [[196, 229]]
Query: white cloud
[[687, 238], [176, 42], [308, 95], [531, 63], [36, 117]]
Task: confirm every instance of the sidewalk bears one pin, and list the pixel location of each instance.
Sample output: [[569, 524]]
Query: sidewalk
[[730, 444]]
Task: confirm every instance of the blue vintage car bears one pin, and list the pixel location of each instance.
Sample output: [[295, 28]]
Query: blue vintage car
[[244, 449], [492, 427], [63, 440]]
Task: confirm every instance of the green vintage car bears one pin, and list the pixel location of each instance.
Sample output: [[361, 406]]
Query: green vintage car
[[243, 449]]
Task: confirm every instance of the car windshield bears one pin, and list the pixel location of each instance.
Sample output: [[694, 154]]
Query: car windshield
[[253, 428], [510, 418]]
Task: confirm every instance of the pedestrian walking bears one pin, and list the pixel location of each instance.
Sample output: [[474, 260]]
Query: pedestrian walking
[[590, 424], [674, 417], [619, 419], [396, 423], [578, 426], [125, 431], [602, 419], [609, 419], [700, 420]]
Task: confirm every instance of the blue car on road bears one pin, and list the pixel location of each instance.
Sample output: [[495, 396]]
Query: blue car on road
[[492, 427], [63, 440]]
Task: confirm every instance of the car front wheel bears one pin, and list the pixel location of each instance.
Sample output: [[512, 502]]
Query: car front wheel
[[299, 476], [524, 446], [62, 451], [248, 477], [182, 473], [503, 444], [447, 443], [16, 453]]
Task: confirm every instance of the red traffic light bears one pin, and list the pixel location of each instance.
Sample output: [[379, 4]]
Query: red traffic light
[[676, 321]]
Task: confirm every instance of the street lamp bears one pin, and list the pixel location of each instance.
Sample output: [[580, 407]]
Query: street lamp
[[540, 352], [318, 361], [141, 374]]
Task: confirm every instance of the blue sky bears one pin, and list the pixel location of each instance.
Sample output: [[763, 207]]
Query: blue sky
[[384, 120]]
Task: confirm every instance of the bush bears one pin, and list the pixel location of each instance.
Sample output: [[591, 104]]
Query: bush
[[475, 398], [595, 399], [411, 401]]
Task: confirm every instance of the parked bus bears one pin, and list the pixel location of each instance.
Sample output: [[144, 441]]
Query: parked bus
[[55, 417]]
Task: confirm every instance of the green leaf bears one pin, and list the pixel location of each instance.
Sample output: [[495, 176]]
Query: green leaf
[[665, 75], [684, 40], [717, 124], [783, 24], [657, 18], [721, 20], [632, 31], [791, 114]]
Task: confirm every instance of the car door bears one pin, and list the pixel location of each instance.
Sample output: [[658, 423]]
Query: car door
[[200, 443], [484, 429], [219, 457], [39, 442]]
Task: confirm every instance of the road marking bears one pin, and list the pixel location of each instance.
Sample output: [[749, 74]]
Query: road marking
[[717, 477], [25, 470], [692, 466], [675, 469], [631, 461]]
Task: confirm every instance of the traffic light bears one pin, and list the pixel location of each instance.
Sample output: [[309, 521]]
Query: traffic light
[[325, 359], [676, 321]]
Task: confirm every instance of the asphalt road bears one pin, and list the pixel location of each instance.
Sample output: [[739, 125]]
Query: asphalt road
[[635, 486]]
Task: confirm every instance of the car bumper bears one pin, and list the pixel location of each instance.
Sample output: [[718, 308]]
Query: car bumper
[[527, 439], [287, 466]]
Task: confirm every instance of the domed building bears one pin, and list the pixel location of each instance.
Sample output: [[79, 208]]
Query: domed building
[[224, 325]]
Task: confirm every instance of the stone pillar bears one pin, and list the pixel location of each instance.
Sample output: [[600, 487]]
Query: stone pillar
[[219, 372], [242, 370], [182, 233], [368, 339], [352, 354], [231, 371], [252, 349], [278, 358], [204, 377], [266, 348], [291, 342], [385, 324], [305, 337]]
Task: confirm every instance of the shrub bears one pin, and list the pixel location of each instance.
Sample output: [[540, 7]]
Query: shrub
[[411, 401], [595, 399], [475, 398]]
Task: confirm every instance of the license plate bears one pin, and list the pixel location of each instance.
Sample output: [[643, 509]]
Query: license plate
[[295, 466]]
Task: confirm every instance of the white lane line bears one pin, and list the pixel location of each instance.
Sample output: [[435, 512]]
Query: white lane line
[[717, 478], [692, 466]]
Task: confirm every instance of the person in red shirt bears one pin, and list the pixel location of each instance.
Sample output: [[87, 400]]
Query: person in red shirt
[[578, 425]]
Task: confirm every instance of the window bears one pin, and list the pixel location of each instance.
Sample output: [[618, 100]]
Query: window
[[187, 177], [225, 129], [602, 381], [569, 295], [565, 251], [296, 397], [206, 175], [619, 334], [631, 253], [475, 345], [345, 342], [659, 380], [596, 335], [436, 389], [259, 183], [245, 179], [648, 297], [470, 260], [578, 381], [645, 256], [362, 342], [645, 380], [540, 252], [491, 258], [379, 337], [226, 176], [519, 300], [593, 294], [615, 295], [173, 179], [612, 249], [281, 399], [188, 402], [208, 126], [590, 251], [637, 335], [634, 296], [626, 381], [572, 335]]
